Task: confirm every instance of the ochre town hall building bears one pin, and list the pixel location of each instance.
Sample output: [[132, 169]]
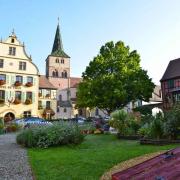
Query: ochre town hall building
[[24, 92]]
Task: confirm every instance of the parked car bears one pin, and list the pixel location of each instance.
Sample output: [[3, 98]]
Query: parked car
[[26, 122]]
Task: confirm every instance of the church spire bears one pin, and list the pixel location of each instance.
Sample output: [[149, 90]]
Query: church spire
[[57, 49]]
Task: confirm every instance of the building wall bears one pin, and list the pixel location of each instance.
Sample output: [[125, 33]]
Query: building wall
[[11, 70], [43, 98]]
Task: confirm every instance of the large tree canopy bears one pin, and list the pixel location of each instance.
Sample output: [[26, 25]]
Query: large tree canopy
[[113, 79]]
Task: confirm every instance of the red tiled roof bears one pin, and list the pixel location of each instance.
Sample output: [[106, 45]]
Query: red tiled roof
[[74, 82], [44, 83]]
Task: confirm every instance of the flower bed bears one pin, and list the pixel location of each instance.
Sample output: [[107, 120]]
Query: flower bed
[[135, 137], [158, 142]]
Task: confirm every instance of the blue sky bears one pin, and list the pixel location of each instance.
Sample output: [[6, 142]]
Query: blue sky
[[150, 27]]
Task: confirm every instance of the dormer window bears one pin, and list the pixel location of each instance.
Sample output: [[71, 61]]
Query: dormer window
[[12, 40], [12, 51]]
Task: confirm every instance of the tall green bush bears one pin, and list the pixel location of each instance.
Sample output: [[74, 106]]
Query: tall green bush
[[125, 123], [156, 126], [172, 122], [118, 121], [46, 136]]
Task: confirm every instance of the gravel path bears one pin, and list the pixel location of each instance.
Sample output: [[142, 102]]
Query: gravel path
[[13, 160]]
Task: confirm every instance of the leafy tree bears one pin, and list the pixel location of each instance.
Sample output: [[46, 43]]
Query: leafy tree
[[113, 79]]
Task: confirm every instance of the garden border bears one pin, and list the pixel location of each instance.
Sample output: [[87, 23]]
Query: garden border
[[160, 142]]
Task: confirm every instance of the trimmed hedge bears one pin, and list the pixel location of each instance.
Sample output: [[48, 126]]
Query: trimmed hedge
[[54, 135]]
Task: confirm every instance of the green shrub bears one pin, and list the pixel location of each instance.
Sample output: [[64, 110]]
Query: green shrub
[[126, 124], [144, 110], [145, 131], [156, 126], [172, 123], [46, 136], [118, 121], [1, 126]]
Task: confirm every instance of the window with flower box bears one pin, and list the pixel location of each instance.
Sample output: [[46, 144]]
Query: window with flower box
[[2, 79], [2, 96], [19, 81], [29, 81], [28, 98], [17, 97]]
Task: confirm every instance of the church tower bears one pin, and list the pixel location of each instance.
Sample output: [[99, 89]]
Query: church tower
[[58, 64]]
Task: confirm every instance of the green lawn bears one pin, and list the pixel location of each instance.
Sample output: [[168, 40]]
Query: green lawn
[[87, 161]]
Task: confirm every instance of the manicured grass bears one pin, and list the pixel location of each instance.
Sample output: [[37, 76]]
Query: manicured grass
[[87, 161]]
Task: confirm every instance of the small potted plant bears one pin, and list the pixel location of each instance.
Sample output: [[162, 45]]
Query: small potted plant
[[17, 83], [28, 101], [29, 84], [2, 82], [17, 101]]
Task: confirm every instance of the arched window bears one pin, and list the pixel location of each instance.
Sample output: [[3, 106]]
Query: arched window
[[65, 74], [53, 74], [62, 74], [57, 60], [56, 73], [62, 61]]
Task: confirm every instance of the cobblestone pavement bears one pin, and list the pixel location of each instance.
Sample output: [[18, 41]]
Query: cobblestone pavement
[[13, 160]]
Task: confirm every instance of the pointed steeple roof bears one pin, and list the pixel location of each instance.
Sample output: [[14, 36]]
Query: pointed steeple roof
[[57, 49]]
